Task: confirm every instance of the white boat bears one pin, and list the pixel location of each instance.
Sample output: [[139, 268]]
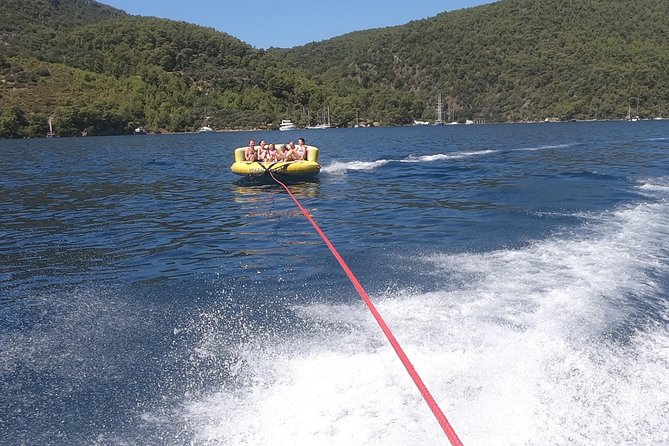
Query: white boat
[[319, 126], [287, 124], [416, 122], [326, 121], [205, 126], [629, 116]]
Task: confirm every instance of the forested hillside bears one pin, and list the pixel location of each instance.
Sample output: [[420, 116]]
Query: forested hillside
[[95, 69], [515, 59]]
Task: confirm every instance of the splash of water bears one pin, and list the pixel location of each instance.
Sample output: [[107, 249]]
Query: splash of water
[[563, 341]]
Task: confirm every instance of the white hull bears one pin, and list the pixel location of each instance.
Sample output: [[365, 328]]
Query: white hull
[[286, 124]]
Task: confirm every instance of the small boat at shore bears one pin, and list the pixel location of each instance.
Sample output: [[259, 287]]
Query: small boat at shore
[[301, 168]]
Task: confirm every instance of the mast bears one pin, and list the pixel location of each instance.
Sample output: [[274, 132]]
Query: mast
[[50, 134], [439, 120]]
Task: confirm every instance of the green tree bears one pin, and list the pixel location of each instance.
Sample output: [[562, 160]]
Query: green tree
[[13, 123]]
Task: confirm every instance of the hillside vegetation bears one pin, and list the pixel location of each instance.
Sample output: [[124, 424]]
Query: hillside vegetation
[[514, 59], [98, 70]]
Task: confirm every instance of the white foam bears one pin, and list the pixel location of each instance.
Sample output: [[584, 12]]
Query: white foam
[[546, 147], [340, 168], [655, 185], [445, 156], [549, 344]]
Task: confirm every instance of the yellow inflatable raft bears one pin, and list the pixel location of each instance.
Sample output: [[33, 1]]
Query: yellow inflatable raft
[[306, 167]]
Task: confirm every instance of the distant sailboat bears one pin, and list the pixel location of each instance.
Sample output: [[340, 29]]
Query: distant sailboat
[[50, 134], [439, 120], [205, 128], [636, 118], [325, 123], [629, 116]]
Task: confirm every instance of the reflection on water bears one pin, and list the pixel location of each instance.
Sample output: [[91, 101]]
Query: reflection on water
[[255, 188]]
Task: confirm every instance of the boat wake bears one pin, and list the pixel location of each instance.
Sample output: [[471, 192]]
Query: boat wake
[[654, 186], [546, 147], [563, 341], [447, 156], [340, 168]]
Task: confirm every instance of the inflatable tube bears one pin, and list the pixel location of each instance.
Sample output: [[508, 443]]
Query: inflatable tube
[[306, 167]]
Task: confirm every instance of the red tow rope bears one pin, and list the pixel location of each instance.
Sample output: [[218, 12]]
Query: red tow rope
[[434, 407]]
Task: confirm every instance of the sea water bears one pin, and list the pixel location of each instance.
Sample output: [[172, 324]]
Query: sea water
[[150, 297]]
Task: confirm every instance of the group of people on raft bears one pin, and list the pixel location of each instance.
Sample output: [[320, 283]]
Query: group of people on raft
[[272, 153]]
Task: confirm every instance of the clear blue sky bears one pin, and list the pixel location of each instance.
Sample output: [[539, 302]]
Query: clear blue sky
[[285, 24]]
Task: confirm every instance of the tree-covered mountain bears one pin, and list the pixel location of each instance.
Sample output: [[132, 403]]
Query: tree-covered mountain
[[24, 25], [113, 72], [96, 69], [514, 59]]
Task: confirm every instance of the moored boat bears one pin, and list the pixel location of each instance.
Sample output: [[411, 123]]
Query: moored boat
[[308, 167], [287, 124]]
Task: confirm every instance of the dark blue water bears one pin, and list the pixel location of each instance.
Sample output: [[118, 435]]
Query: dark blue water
[[149, 296]]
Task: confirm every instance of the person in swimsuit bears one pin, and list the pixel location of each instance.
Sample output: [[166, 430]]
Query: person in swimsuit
[[250, 154], [301, 150], [272, 155], [289, 153], [261, 151]]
